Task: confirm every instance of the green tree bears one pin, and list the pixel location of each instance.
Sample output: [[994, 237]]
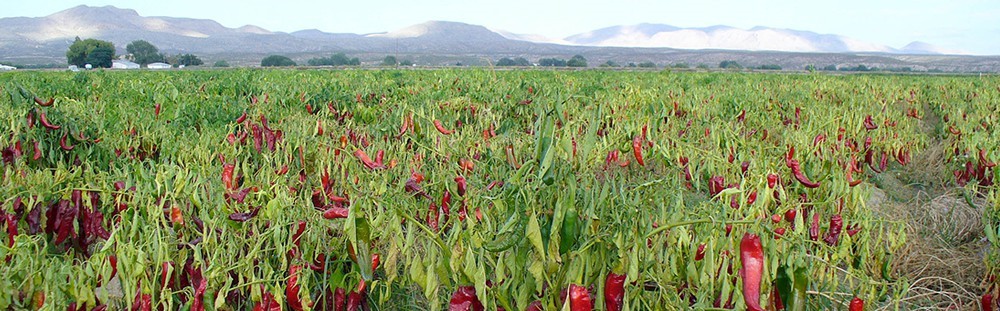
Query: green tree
[[276, 61], [221, 63], [647, 65], [406, 62], [101, 57], [830, 68], [810, 68], [682, 65], [189, 60], [80, 51], [144, 52], [552, 62], [610, 63], [730, 64], [389, 60], [577, 61], [521, 61], [505, 62]]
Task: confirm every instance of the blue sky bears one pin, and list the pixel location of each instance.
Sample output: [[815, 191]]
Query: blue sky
[[968, 25]]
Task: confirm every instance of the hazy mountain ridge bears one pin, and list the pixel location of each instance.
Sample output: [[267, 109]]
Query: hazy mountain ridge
[[48, 37]]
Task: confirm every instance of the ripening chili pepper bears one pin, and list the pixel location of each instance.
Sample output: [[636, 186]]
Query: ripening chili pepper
[[752, 257], [614, 291], [836, 225], [752, 198], [857, 304], [372, 165], [292, 288], [637, 150], [156, 110], [776, 218], [440, 128], [790, 215], [700, 254], [340, 299], [579, 298], [790, 156], [779, 232], [200, 284], [772, 180], [535, 306], [465, 299], [987, 302], [446, 205], [800, 176], [335, 212], [175, 216], [983, 161], [744, 166], [242, 117], [466, 165], [244, 216]]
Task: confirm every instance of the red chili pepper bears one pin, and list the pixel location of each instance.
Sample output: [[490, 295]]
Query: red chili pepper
[[63, 145], [983, 161], [375, 261], [372, 165], [356, 301], [790, 215], [814, 228], [335, 212], [987, 302], [292, 289], [715, 185], [45, 103], [244, 216], [744, 166], [446, 205], [242, 117], [267, 303], [700, 254], [857, 304], [779, 232], [869, 124], [800, 176], [579, 298], [460, 181], [466, 164], [836, 225], [30, 118], [199, 283], [340, 300], [432, 216], [752, 257], [752, 198], [637, 150], [227, 176], [772, 180], [156, 110], [790, 156], [534, 306], [465, 299], [614, 291], [440, 128]]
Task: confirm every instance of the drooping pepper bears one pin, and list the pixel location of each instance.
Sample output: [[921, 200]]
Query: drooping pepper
[[836, 225], [614, 291], [752, 257], [465, 299], [579, 298], [857, 304], [292, 289], [800, 176]]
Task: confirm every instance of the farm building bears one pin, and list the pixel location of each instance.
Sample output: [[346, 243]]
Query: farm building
[[158, 66], [6, 68], [123, 64]]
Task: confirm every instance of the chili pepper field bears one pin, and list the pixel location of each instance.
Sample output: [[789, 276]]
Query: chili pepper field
[[483, 190]]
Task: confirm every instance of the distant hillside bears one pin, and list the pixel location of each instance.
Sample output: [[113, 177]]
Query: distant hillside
[[37, 40]]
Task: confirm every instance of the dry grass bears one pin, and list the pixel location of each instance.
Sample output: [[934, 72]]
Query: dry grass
[[944, 255], [943, 258]]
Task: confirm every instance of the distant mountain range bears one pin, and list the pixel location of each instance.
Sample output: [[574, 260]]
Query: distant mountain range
[[41, 39]]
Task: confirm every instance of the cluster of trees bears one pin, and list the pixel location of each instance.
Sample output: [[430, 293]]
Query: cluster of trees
[[277, 61], [339, 59], [99, 54], [860, 68], [520, 61], [95, 52], [575, 61]]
